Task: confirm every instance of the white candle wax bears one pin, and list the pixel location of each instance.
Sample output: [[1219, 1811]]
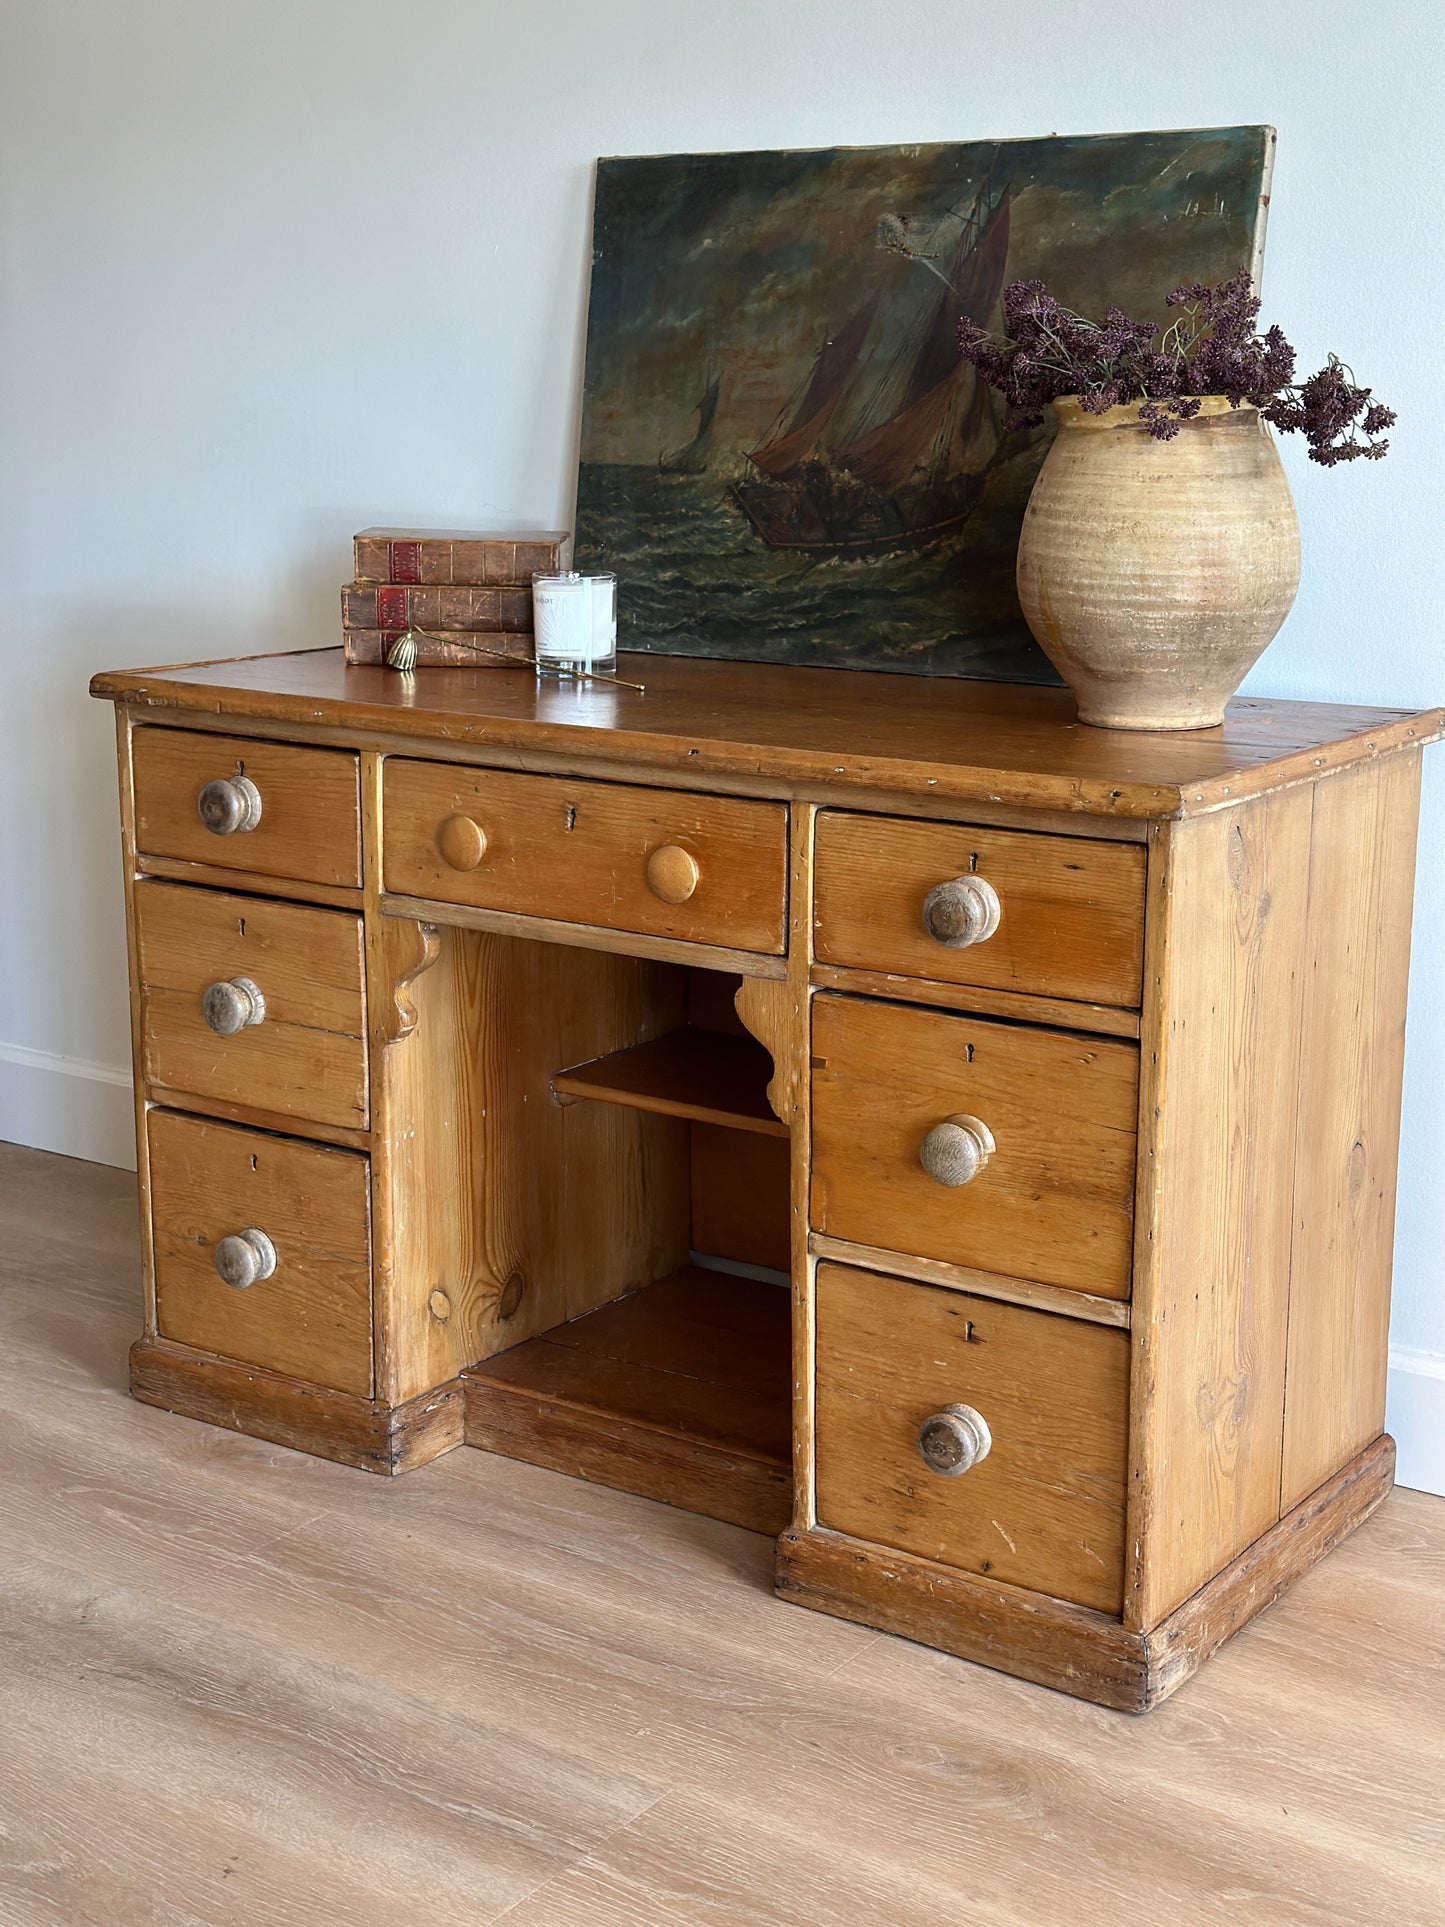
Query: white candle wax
[[575, 619]]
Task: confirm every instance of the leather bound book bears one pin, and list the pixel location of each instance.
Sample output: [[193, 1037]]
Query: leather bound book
[[460, 558], [397, 606], [441, 649]]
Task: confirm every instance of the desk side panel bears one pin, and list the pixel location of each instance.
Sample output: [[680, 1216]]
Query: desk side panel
[[1221, 1041], [1361, 889]]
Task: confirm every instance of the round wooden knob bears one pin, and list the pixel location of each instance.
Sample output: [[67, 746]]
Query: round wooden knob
[[955, 1151], [229, 805], [954, 1440], [229, 1007], [962, 911], [672, 873], [462, 842], [244, 1258]]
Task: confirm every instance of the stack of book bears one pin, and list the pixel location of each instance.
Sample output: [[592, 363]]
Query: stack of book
[[464, 597]]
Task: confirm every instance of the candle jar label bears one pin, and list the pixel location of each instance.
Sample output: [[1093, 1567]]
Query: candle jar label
[[575, 620]]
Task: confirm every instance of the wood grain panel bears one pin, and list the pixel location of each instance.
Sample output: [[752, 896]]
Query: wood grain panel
[[1352, 1048], [1222, 1041], [712, 1076], [741, 1192], [361, 1432], [312, 1318], [520, 1211], [680, 1391], [124, 736], [1054, 1202], [1069, 1647], [929, 739], [1045, 1509], [1023, 1008], [211, 876], [307, 1059], [984, 1284], [310, 823], [1072, 922], [578, 851]]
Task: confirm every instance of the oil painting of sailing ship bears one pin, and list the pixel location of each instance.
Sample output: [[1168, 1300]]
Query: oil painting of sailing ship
[[783, 457]]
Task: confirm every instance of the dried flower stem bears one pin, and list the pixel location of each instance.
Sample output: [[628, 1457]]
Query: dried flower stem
[[1210, 348]]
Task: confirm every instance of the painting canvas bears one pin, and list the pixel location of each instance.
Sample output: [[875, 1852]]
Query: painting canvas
[[782, 456]]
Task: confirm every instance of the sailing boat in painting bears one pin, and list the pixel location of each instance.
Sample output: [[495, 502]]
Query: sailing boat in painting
[[876, 457], [693, 458]]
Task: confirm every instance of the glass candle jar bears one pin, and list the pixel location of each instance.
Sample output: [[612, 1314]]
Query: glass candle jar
[[575, 619]]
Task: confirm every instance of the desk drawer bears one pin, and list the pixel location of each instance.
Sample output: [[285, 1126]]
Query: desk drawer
[[709, 869], [300, 1049], [311, 1317], [1053, 1201], [304, 816], [1070, 912], [1044, 1508]]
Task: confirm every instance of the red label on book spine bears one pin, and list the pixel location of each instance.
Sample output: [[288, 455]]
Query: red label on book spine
[[405, 562], [391, 609]]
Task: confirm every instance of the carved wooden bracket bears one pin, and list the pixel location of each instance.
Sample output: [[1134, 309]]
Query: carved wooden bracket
[[404, 950], [767, 1009]]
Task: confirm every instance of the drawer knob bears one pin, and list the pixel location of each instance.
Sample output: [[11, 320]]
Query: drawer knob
[[462, 842], [229, 806], [955, 1151], [962, 911], [672, 873], [954, 1440], [229, 1007], [244, 1258]]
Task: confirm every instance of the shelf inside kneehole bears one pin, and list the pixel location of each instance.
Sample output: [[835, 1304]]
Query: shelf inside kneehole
[[679, 1385], [701, 1074]]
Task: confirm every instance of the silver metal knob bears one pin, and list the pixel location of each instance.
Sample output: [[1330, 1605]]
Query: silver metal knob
[[962, 911], [955, 1151], [229, 805], [229, 1007], [244, 1258], [954, 1440]]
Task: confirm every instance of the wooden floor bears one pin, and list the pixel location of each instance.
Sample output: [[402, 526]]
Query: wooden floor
[[242, 1686]]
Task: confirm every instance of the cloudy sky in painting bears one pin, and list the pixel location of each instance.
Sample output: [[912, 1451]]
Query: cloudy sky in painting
[[739, 266]]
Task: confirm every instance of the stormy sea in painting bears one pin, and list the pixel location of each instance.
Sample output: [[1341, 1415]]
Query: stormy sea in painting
[[695, 580], [783, 458]]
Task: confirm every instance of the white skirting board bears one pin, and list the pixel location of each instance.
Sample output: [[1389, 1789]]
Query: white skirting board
[[84, 1110], [67, 1104], [1415, 1416]]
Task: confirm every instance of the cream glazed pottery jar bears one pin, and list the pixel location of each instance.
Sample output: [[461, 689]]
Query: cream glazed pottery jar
[[1154, 574]]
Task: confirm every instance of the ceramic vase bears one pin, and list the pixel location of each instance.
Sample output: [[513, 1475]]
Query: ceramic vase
[[1154, 574]]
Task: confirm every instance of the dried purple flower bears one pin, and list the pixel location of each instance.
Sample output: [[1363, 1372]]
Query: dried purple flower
[[1210, 348]]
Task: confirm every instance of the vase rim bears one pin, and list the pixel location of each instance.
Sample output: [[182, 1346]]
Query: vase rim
[[1071, 412]]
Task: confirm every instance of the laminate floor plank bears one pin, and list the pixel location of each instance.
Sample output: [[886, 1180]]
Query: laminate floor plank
[[241, 1685]]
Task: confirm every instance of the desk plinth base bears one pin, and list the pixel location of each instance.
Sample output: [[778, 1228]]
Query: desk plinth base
[[1054, 1644], [286, 1411]]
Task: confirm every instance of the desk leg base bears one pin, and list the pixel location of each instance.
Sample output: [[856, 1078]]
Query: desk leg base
[[287, 1411], [1068, 1647]]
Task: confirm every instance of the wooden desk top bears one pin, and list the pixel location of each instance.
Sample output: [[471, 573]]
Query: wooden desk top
[[965, 742]]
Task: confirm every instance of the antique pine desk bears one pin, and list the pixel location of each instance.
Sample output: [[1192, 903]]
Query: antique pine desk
[[502, 1049]]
